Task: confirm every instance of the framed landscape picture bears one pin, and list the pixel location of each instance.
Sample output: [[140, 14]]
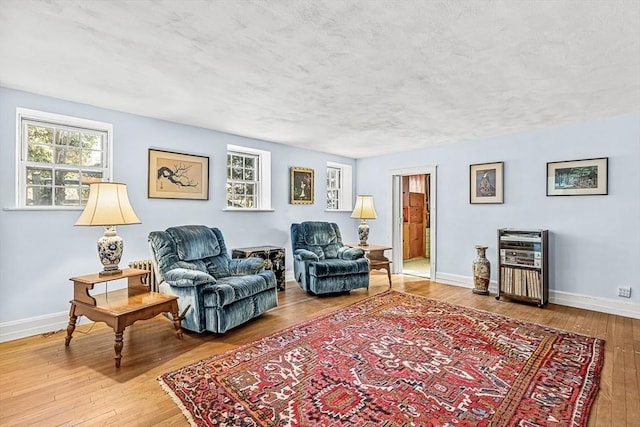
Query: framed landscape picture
[[578, 177], [486, 183], [302, 186], [177, 176]]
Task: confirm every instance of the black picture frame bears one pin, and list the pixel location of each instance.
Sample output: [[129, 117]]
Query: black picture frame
[[585, 177], [173, 175]]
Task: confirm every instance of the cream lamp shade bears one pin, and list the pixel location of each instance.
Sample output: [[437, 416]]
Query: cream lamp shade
[[364, 210], [108, 205]]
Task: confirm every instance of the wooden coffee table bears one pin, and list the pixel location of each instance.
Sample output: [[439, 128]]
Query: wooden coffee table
[[119, 308]]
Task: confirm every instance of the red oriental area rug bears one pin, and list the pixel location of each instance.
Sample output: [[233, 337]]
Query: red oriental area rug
[[395, 360]]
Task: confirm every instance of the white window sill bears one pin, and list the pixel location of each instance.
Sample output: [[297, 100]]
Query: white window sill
[[247, 210], [45, 208]]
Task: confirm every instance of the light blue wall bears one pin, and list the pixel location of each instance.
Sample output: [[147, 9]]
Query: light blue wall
[[41, 250], [595, 240]]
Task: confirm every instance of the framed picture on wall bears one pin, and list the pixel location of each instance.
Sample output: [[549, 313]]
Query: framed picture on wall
[[177, 176], [302, 186], [486, 183], [578, 177]]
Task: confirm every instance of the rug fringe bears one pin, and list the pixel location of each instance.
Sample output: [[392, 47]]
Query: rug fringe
[[177, 401]]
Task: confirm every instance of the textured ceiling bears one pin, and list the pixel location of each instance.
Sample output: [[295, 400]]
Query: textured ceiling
[[349, 77]]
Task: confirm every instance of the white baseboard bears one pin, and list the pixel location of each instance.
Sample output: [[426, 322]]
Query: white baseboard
[[602, 305], [587, 302], [463, 281], [23, 328], [31, 326], [48, 323], [289, 276], [454, 279]]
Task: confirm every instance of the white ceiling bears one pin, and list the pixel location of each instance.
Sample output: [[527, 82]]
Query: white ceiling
[[355, 78]]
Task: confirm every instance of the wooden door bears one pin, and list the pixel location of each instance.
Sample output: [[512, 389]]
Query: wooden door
[[416, 219]]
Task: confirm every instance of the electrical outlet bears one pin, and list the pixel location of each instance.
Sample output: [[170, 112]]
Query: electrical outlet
[[624, 291]]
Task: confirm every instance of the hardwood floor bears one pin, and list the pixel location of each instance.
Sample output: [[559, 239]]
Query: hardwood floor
[[46, 384]]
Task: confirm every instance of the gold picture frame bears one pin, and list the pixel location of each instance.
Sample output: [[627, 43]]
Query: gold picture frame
[[177, 176], [486, 183], [302, 186]]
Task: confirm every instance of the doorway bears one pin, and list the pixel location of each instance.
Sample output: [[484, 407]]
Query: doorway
[[413, 225], [416, 228]]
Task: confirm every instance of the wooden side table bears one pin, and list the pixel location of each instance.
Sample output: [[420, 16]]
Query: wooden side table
[[375, 254], [119, 308], [273, 257]]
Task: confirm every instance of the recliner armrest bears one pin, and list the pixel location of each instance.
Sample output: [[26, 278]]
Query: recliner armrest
[[244, 266], [347, 252], [305, 255], [185, 277]]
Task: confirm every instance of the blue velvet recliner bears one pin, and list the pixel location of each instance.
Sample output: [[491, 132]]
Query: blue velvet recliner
[[321, 264], [217, 292]]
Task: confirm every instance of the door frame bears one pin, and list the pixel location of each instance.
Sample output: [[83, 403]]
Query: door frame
[[395, 181]]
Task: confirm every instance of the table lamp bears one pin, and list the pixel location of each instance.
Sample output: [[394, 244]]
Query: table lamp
[[108, 205], [364, 210]]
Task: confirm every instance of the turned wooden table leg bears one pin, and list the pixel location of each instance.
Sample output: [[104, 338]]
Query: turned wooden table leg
[[120, 308], [118, 348], [176, 320], [72, 325]]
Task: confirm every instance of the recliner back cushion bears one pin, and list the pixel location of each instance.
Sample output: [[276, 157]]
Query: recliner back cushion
[[318, 233], [321, 238], [194, 242]]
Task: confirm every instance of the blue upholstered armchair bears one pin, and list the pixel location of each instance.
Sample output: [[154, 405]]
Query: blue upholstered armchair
[[217, 292], [322, 264]]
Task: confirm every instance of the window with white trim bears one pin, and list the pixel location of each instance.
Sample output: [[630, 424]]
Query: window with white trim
[[248, 178], [339, 187], [58, 157]]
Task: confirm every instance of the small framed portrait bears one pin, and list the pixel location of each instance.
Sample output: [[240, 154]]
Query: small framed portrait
[[578, 177], [486, 183], [302, 186], [177, 176]]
